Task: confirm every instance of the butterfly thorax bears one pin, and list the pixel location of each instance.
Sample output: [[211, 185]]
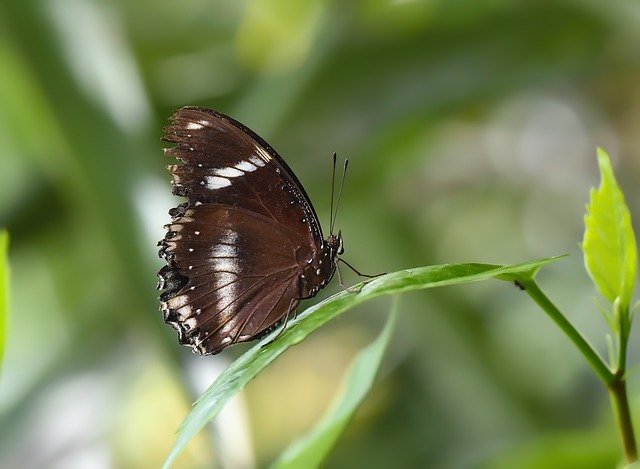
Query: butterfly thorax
[[320, 269]]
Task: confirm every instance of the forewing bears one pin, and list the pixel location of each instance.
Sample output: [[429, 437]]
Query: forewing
[[226, 163]]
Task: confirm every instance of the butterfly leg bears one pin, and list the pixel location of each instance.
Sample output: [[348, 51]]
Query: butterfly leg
[[360, 274], [290, 310], [339, 275]]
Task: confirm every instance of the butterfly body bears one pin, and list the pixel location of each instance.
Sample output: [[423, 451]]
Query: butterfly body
[[247, 246]]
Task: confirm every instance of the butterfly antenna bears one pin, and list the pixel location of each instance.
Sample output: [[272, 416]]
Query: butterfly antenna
[[333, 184], [344, 175]]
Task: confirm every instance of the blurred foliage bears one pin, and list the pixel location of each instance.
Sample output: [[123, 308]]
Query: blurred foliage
[[4, 291], [471, 128], [311, 449]]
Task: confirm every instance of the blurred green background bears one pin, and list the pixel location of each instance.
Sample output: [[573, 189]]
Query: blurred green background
[[471, 127]]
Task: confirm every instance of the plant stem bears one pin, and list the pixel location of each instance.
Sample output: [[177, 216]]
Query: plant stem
[[618, 395], [596, 362], [615, 382], [624, 325], [618, 388]]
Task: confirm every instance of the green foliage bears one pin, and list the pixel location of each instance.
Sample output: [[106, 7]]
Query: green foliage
[[4, 290], [311, 449], [609, 244], [442, 107], [256, 359], [569, 449], [264, 36], [610, 258]]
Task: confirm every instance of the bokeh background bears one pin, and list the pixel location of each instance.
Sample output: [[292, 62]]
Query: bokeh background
[[471, 127]]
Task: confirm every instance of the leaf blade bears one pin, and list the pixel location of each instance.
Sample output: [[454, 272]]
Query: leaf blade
[[312, 448], [246, 367], [609, 243]]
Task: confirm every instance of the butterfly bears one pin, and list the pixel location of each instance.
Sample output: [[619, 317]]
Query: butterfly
[[247, 246]]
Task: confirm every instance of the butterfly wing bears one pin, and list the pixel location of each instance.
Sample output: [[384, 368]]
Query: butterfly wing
[[227, 163], [221, 294], [237, 249]]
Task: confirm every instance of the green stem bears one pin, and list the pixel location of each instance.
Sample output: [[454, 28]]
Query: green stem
[[624, 325], [622, 353], [615, 382], [618, 395], [618, 388], [596, 362]]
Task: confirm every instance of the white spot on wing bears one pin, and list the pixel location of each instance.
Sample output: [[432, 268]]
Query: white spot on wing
[[226, 264], [246, 166], [216, 182], [184, 312], [224, 278], [189, 323], [194, 125], [256, 160], [224, 250], [263, 154], [225, 261], [225, 341], [228, 172], [177, 301]]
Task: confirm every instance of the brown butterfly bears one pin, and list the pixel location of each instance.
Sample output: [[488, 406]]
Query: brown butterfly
[[247, 245]]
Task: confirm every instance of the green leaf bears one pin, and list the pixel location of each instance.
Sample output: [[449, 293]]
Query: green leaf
[[245, 368], [4, 290], [312, 448], [609, 244]]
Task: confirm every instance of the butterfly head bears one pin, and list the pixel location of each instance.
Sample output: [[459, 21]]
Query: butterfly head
[[335, 244]]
